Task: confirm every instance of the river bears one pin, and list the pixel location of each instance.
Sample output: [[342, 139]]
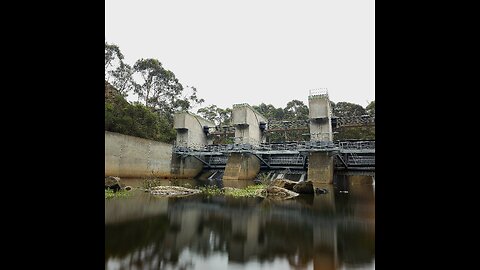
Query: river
[[329, 231]]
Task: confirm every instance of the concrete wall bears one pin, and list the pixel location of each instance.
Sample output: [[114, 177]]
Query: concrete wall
[[241, 167], [320, 118], [320, 168], [247, 124], [190, 130], [131, 157]]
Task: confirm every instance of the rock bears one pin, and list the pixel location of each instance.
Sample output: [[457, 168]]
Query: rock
[[284, 183], [276, 193], [173, 191], [321, 191], [113, 182], [304, 187], [128, 188]]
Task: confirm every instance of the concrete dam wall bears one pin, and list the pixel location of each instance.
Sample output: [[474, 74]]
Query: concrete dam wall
[[133, 157]]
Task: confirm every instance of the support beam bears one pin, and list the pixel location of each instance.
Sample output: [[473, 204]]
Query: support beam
[[262, 160], [341, 159]]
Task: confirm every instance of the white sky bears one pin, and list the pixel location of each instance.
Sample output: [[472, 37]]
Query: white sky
[[253, 51]]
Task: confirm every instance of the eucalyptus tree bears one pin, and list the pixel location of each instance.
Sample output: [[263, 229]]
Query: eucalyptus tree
[[117, 72], [160, 89], [215, 114], [371, 108]]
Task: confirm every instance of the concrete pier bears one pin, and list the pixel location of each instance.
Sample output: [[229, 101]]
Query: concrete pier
[[249, 129], [241, 166], [320, 164], [320, 168]]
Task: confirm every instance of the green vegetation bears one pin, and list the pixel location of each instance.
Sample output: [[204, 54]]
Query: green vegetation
[[109, 194], [296, 110], [137, 120], [160, 94]]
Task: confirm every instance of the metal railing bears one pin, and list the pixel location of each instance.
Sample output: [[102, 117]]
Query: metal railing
[[356, 145], [286, 160], [323, 92], [218, 160], [292, 146], [355, 120]]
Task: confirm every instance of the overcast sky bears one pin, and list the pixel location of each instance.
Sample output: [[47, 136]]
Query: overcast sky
[[253, 51]]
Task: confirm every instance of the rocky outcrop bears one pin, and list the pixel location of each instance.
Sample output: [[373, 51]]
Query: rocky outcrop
[[277, 193], [304, 187], [173, 191], [284, 183], [113, 182], [321, 191]]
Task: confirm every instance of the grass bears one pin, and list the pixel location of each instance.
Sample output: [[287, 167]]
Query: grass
[[109, 194]]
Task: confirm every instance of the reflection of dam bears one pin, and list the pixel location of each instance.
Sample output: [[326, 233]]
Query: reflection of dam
[[325, 232]]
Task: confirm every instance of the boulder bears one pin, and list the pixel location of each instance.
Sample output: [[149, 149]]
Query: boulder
[[113, 182], [276, 193], [304, 187], [284, 183], [321, 191], [173, 191]]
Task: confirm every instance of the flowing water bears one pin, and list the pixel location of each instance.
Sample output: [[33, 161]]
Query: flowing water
[[329, 231]]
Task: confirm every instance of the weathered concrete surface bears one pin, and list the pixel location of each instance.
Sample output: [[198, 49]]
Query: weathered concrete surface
[[190, 131], [247, 124], [320, 168], [320, 114], [241, 166], [188, 167], [131, 157]]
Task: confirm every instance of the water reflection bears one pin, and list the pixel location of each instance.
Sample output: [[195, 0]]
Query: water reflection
[[331, 231]]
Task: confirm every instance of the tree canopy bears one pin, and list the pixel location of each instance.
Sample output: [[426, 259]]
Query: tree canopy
[[162, 94], [159, 89]]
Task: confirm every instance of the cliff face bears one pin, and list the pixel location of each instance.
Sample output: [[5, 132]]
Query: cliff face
[[110, 92]]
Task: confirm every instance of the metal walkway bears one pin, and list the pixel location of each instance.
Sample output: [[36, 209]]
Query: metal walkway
[[349, 155]]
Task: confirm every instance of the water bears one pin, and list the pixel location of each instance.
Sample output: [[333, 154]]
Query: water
[[330, 231]]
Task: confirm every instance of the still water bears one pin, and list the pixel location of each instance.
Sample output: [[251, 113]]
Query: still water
[[330, 231]]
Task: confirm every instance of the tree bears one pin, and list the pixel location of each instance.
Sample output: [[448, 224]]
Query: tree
[[296, 110], [117, 73], [160, 89], [137, 120], [112, 54], [371, 108], [218, 115], [122, 79], [270, 112], [346, 109]]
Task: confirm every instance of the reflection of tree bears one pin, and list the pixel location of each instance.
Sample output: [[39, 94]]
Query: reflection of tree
[[355, 248], [300, 231]]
